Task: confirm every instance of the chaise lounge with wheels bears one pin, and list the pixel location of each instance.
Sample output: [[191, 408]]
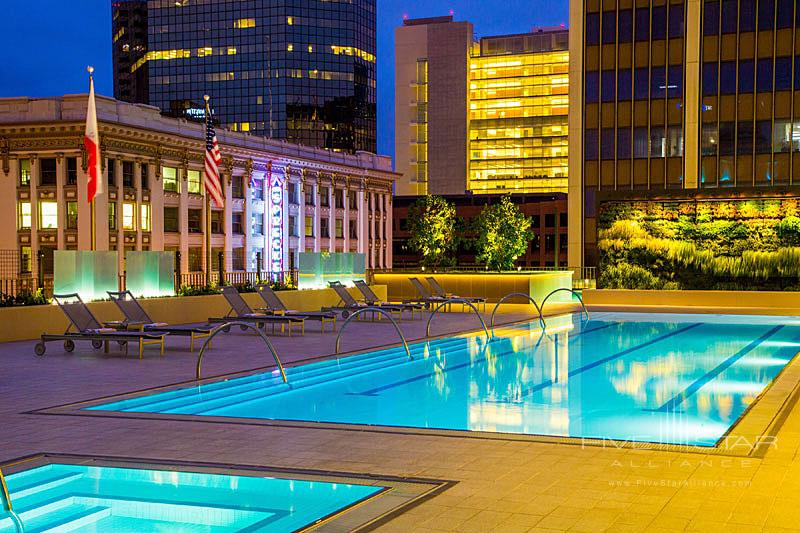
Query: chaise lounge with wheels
[[240, 310], [439, 291], [370, 298], [424, 296], [87, 328], [137, 319], [350, 305], [275, 306]]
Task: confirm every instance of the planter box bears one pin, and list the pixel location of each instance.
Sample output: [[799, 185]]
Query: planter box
[[29, 322]]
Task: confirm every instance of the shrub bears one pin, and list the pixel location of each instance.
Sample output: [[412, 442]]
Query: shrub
[[23, 297]]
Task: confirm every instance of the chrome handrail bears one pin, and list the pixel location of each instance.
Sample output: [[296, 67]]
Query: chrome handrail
[[243, 325], [6, 496], [513, 295], [373, 310], [462, 301], [574, 293]]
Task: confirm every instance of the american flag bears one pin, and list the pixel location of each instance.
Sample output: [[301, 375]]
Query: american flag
[[211, 179]]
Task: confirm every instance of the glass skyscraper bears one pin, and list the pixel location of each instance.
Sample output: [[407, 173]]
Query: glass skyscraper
[[299, 70]]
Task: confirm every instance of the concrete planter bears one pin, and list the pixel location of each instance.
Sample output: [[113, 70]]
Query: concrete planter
[[29, 322], [734, 302]]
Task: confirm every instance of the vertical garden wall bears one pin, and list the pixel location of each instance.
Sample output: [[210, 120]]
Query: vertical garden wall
[[700, 244]]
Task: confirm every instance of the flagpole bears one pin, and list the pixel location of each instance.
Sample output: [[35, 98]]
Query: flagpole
[[208, 209], [93, 217]]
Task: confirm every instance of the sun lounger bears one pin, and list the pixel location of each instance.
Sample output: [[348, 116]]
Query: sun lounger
[[276, 306], [439, 291], [424, 295], [88, 328], [349, 304], [370, 298], [136, 318], [241, 311]]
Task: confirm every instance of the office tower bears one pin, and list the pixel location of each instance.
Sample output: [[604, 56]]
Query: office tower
[[679, 98], [481, 117], [128, 49], [302, 71]]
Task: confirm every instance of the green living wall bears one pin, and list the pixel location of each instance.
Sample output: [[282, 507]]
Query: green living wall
[[708, 244]]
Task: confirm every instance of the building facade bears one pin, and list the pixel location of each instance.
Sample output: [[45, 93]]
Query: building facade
[[302, 71], [484, 117], [129, 48], [548, 214], [280, 198], [683, 98]]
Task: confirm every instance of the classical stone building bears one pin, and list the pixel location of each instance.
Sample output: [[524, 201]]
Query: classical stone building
[[280, 198]]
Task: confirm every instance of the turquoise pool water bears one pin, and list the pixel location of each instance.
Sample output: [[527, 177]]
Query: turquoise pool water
[[679, 379], [62, 497]]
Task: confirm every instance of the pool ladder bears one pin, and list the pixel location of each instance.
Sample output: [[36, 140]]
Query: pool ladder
[[243, 325], [462, 301], [539, 309], [8, 506], [373, 310]]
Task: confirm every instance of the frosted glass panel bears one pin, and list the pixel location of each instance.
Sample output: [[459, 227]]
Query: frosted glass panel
[[90, 274], [150, 273], [318, 269]]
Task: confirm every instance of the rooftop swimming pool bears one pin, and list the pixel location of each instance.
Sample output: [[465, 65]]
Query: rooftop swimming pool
[[663, 378], [69, 497]]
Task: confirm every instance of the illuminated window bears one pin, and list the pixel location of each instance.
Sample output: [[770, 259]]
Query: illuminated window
[[231, 51], [193, 178], [245, 126], [24, 171], [289, 47], [25, 259], [205, 51], [129, 216], [244, 23], [169, 176], [112, 215], [339, 228], [48, 215], [72, 215], [310, 49], [309, 226], [144, 211], [24, 215]]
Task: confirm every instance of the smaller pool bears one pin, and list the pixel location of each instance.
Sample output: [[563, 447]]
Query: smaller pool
[[66, 497]]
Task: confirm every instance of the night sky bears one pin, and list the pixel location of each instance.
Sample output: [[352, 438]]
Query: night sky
[[48, 43]]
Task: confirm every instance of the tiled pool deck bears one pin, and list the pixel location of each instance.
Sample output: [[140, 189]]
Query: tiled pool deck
[[502, 485]]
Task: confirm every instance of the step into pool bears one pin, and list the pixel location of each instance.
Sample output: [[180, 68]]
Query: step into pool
[[69, 497], [673, 379]]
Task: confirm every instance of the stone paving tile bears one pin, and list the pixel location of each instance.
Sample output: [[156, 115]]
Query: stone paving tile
[[501, 485]]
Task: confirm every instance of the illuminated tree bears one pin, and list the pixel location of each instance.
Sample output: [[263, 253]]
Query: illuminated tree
[[503, 234], [432, 221]]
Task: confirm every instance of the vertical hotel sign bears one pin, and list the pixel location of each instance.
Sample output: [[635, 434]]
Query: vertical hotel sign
[[275, 181]]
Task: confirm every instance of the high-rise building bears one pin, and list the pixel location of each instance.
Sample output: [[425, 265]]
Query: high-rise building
[[482, 117], [303, 71], [431, 69], [679, 98], [129, 48], [518, 107]]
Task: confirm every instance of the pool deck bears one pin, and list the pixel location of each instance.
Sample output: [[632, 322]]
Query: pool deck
[[502, 485]]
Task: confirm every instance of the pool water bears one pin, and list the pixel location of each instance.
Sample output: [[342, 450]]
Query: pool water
[[678, 379], [64, 497]]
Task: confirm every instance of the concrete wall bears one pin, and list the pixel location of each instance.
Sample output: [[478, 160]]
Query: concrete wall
[[27, 323]]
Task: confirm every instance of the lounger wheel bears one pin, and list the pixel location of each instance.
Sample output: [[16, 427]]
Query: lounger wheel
[[69, 345], [122, 344], [226, 329], [39, 349], [243, 328], [97, 344], [345, 313]]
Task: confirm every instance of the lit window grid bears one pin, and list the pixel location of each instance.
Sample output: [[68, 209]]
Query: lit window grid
[[518, 123]]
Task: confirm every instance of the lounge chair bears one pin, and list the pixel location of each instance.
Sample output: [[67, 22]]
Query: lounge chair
[[350, 305], [241, 311], [424, 295], [370, 298], [439, 291], [276, 306], [88, 328], [136, 318]]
